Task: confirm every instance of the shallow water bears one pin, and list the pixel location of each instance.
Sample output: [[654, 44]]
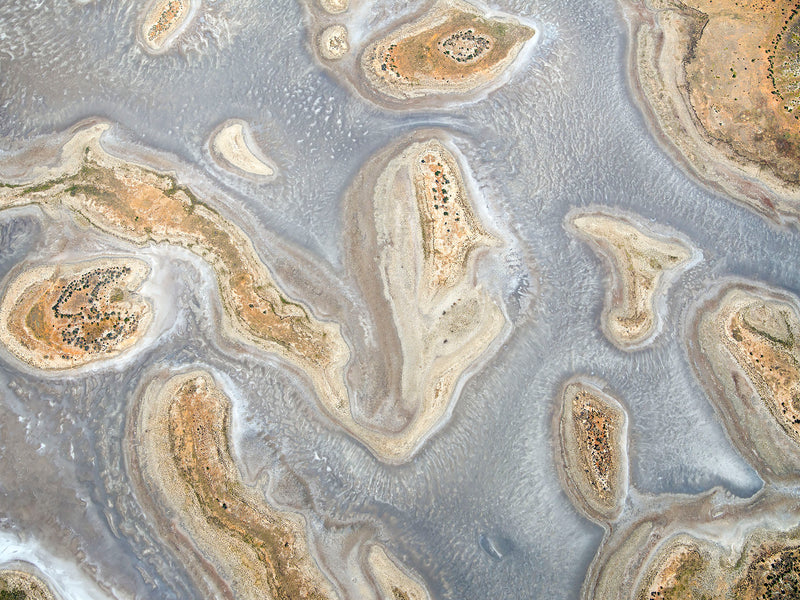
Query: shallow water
[[479, 513]]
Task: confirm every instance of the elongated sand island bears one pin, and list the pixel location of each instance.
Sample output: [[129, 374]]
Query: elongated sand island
[[180, 447], [592, 455], [67, 315], [21, 585], [234, 149], [745, 346], [392, 581], [163, 21], [451, 52], [642, 265], [721, 80], [417, 235]]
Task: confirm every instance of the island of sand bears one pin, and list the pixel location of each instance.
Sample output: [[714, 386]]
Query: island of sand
[[180, 447], [454, 322], [412, 212], [67, 315], [393, 582], [747, 355], [20, 585], [592, 453], [452, 51], [721, 79], [642, 266], [163, 21], [334, 42], [234, 149]]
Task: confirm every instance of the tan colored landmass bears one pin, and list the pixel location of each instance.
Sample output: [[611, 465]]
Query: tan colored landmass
[[393, 582], [232, 145], [334, 6], [64, 316], [424, 233], [19, 585], [722, 78], [453, 50], [593, 434], [334, 42], [181, 444], [163, 21], [749, 361], [642, 264]]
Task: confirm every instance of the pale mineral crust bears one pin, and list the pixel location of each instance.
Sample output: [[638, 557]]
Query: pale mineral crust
[[452, 51], [62, 316], [593, 452], [642, 265], [181, 450], [392, 581], [20, 585], [748, 358], [233, 147], [163, 22], [721, 81]]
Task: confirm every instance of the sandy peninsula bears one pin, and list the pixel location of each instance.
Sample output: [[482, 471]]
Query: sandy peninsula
[[451, 51], [592, 455], [180, 445], [642, 265], [67, 315], [234, 149], [392, 581], [412, 217], [743, 341], [20, 585], [719, 80], [163, 21]]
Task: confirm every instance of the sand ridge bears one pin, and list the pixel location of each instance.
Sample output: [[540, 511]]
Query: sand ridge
[[393, 582], [62, 316], [233, 147], [642, 264]]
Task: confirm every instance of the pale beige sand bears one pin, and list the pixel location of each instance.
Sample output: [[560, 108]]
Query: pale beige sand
[[642, 265], [31, 329], [593, 450], [163, 21], [14, 581], [181, 445], [393, 582], [334, 42], [417, 60], [334, 7], [232, 145], [748, 358]]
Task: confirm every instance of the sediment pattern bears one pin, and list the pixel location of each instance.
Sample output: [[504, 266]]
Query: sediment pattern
[[593, 450], [181, 446], [642, 264], [453, 50], [393, 582], [722, 78], [64, 316]]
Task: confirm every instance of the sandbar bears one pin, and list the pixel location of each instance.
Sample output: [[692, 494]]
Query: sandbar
[[593, 449], [180, 447], [452, 51], [20, 585], [334, 7], [393, 582], [233, 148], [334, 42], [62, 316], [163, 21], [642, 265], [719, 80]]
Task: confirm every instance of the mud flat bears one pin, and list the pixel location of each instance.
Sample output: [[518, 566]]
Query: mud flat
[[592, 456], [720, 81], [393, 582], [234, 149], [451, 52], [642, 265], [163, 21], [67, 315], [19, 585], [180, 448], [415, 235], [743, 342]]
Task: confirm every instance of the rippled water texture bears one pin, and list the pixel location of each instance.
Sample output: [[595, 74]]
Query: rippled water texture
[[479, 512]]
